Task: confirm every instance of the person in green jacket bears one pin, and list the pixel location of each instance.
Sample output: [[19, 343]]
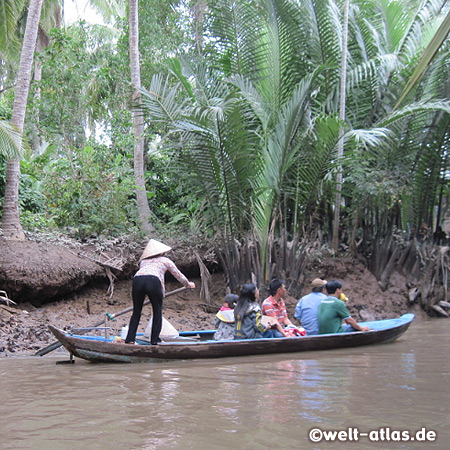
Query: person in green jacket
[[332, 312]]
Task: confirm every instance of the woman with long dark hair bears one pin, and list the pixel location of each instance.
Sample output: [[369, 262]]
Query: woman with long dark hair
[[247, 314]]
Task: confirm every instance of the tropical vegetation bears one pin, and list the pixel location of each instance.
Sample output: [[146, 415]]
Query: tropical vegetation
[[260, 123]]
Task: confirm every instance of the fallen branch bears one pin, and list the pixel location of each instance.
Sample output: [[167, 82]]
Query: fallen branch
[[439, 310], [4, 298], [9, 309]]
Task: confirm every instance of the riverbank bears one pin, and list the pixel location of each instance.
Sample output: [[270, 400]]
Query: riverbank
[[48, 279]]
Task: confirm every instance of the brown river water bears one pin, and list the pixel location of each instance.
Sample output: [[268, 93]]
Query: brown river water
[[376, 397]]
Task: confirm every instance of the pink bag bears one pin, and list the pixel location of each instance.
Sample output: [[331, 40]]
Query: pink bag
[[293, 332]]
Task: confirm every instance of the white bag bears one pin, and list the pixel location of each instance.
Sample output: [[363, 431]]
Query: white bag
[[167, 330]]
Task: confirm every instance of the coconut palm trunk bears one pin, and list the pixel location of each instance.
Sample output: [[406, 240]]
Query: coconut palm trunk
[[11, 226], [138, 123], [198, 10], [343, 82]]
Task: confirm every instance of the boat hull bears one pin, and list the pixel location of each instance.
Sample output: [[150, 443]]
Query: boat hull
[[103, 350]]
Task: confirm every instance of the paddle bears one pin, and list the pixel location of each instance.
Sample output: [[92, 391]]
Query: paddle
[[57, 344]]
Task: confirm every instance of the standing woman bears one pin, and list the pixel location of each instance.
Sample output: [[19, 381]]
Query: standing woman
[[149, 280], [248, 314]]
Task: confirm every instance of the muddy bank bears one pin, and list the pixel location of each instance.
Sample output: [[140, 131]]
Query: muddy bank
[[45, 280], [23, 329], [47, 268]]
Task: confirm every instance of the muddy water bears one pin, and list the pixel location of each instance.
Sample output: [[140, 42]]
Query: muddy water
[[244, 403]]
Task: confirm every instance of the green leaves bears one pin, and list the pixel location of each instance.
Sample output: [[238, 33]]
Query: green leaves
[[249, 120], [10, 141], [10, 15], [88, 190], [427, 57], [161, 101]]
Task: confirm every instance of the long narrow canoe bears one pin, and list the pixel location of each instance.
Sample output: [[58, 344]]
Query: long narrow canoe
[[200, 344]]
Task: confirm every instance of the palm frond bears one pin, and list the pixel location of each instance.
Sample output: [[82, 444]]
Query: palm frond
[[415, 25], [315, 160], [10, 14], [325, 44], [10, 141], [176, 68], [415, 108], [161, 102], [371, 137], [277, 158], [255, 101], [436, 81], [428, 55], [109, 9], [217, 151], [430, 171], [372, 68], [238, 29]]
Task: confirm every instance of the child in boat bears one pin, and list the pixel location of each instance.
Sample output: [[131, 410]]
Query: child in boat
[[224, 320]]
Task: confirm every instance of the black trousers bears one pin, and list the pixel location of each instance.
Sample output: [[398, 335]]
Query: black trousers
[[146, 285]]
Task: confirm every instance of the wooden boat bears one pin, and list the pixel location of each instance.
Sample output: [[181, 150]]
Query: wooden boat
[[200, 344]]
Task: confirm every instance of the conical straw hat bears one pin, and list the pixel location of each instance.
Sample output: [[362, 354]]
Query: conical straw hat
[[154, 248]]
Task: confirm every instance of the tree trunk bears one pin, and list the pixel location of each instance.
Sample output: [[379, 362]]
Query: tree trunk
[[390, 267], [337, 208], [198, 10], [11, 226], [41, 42], [138, 123]]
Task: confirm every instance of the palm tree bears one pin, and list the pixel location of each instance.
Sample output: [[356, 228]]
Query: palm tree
[[261, 134], [141, 193], [241, 135], [12, 228], [12, 10], [403, 35], [340, 153]]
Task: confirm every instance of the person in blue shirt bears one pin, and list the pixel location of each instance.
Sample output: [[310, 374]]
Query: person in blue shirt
[[306, 309]]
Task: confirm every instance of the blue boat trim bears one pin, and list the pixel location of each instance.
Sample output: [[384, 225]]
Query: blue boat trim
[[101, 349]]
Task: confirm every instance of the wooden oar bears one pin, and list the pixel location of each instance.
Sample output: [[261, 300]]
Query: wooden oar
[[57, 344]]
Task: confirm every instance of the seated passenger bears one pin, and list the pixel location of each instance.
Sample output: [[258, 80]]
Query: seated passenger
[[306, 309], [247, 315], [332, 311], [224, 320], [274, 306]]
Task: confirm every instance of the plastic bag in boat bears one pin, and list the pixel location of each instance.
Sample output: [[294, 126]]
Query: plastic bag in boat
[[167, 330]]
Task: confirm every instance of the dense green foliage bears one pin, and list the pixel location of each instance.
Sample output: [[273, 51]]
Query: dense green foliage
[[242, 126], [256, 117]]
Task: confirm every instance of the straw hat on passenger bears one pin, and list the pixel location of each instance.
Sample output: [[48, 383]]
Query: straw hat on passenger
[[154, 248]]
